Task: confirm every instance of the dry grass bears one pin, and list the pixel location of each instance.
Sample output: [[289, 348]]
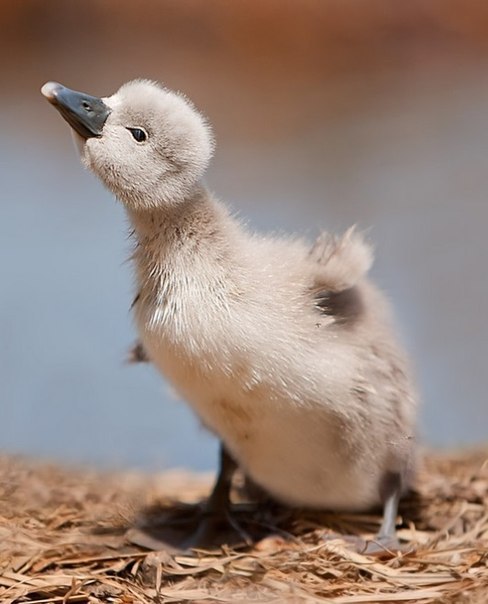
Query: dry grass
[[63, 540]]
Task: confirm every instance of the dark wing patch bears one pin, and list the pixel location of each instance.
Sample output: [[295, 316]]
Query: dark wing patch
[[345, 306], [137, 354], [136, 300]]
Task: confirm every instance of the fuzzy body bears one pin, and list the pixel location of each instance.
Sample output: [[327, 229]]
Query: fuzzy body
[[314, 407], [286, 353]]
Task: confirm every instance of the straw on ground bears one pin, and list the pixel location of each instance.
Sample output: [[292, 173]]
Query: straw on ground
[[63, 539]]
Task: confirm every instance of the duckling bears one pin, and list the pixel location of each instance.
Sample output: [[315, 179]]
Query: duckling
[[285, 351]]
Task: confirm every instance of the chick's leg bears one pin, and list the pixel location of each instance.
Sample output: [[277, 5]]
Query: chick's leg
[[218, 503], [386, 539], [392, 489], [216, 516]]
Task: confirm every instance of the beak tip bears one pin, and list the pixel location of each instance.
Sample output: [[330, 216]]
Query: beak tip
[[50, 91]]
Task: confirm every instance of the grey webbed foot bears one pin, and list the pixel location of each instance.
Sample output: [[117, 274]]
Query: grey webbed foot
[[193, 527], [380, 546], [215, 529]]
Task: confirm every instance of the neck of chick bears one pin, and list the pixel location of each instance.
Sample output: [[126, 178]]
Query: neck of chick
[[185, 260]]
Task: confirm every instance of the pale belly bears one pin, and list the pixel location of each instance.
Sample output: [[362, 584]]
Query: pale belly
[[296, 453]]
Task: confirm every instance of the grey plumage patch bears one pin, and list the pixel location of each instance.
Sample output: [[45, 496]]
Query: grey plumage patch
[[137, 354], [345, 306]]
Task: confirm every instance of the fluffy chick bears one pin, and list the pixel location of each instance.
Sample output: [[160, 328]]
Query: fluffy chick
[[284, 351]]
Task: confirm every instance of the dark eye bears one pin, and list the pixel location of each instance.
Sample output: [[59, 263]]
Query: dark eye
[[138, 133]]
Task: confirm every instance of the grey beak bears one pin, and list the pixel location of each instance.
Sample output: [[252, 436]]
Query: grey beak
[[84, 113]]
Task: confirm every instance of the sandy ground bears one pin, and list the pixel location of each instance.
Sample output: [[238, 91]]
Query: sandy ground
[[66, 535]]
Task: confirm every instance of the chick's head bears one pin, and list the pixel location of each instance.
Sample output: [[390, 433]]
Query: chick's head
[[147, 144]]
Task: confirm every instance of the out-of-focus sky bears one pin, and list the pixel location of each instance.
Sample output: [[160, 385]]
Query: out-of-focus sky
[[326, 113]]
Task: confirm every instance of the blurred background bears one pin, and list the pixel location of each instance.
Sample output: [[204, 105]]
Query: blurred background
[[326, 113]]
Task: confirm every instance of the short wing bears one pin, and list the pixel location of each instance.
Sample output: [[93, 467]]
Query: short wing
[[340, 263], [137, 354]]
